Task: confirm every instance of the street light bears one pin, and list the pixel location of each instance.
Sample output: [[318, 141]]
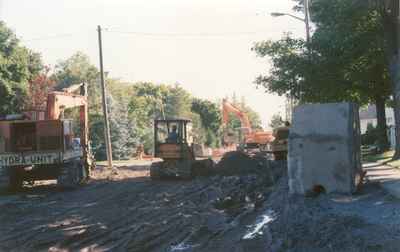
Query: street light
[[305, 20], [279, 14]]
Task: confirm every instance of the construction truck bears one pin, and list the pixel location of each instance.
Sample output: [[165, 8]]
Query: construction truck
[[40, 145], [279, 146], [251, 139], [173, 144]]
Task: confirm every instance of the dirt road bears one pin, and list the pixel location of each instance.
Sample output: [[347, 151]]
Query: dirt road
[[125, 210]]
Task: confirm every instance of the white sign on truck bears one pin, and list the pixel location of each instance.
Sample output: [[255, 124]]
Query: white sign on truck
[[29, 158]]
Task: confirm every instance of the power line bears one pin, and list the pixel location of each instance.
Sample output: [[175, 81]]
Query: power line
[[150, 34], [200, 34]]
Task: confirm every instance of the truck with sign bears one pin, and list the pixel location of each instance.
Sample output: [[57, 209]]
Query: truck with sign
[[42, 146]]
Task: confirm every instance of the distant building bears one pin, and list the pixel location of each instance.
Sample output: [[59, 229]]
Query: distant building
[[368, 117]]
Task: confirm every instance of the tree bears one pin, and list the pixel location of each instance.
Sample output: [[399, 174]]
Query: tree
[[345, 60], [78, 69], [38, 89], [209, 112], [392, 35], [210, 116], [178, 102], [17, 66], [276, 121]]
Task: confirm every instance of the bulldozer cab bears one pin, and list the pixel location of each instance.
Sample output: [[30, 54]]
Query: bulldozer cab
[[171, 131], [172, 139]]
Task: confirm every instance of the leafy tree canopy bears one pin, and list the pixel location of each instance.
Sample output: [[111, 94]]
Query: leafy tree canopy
[[345, 60], [17, 66]]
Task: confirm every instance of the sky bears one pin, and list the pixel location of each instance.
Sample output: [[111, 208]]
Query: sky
[[204, 45]]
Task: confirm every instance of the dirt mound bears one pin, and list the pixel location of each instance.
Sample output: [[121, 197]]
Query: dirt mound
[[238, 163], [332, 222]]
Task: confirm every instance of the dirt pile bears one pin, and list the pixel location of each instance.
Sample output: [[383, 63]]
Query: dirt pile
[[236, 163], [363, 222]]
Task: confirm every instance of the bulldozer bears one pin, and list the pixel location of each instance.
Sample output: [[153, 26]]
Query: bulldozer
[[173, 144], [41, 145]]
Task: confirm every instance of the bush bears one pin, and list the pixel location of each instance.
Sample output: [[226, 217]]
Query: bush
[[371, 136]]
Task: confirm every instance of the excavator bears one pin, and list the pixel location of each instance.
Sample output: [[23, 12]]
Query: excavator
[[40, 145], [252, 139]]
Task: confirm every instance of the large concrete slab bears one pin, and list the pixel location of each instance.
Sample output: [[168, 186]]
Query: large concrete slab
[[324, 148]]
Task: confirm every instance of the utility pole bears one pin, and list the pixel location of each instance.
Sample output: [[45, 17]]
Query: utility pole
[[307, 20], [105, 111]]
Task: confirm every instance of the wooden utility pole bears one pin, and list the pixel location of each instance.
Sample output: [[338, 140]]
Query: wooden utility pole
[[307, 20], [105, 111]]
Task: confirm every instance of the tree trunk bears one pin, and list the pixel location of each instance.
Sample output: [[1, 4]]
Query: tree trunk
[[383, 142], [396, 108], [392, 34]]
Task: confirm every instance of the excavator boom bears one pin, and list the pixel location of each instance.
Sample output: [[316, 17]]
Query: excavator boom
[[57, 102], [227, 108], [251, 138]]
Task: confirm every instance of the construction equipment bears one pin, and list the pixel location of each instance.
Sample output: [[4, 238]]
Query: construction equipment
[[42, 147], [279, 146], [173, 144], [251, 139]]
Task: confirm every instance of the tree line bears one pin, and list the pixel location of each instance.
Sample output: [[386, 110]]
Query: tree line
[[25, 81]]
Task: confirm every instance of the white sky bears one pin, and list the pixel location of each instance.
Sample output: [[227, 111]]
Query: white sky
[[210, 67]]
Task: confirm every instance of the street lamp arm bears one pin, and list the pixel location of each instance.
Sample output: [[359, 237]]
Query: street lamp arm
[[287, 14]]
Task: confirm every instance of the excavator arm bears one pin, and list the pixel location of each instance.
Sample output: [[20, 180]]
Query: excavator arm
[[57, 102], [230, 108]]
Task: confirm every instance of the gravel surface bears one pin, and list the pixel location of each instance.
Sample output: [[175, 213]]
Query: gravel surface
[[123, 210], [366, 221]]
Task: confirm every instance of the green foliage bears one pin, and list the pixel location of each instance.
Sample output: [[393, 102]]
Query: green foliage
[[124, 136], [345, 60], [178, 102], [78, 69], [17, 66], [276, 121], [371, 136], [210, 115]]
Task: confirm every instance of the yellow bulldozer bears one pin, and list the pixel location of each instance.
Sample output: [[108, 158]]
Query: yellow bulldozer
[[174, 145]]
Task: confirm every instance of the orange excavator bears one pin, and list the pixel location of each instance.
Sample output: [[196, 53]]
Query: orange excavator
[[252, 139], [40, 145]]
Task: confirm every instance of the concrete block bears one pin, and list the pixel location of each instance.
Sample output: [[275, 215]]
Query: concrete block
[[324, 148]]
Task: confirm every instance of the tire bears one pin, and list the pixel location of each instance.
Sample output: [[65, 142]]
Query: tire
[[185, 170], [155, 171], [15, 183], [203, 168], [280, 155], [73, 174]]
